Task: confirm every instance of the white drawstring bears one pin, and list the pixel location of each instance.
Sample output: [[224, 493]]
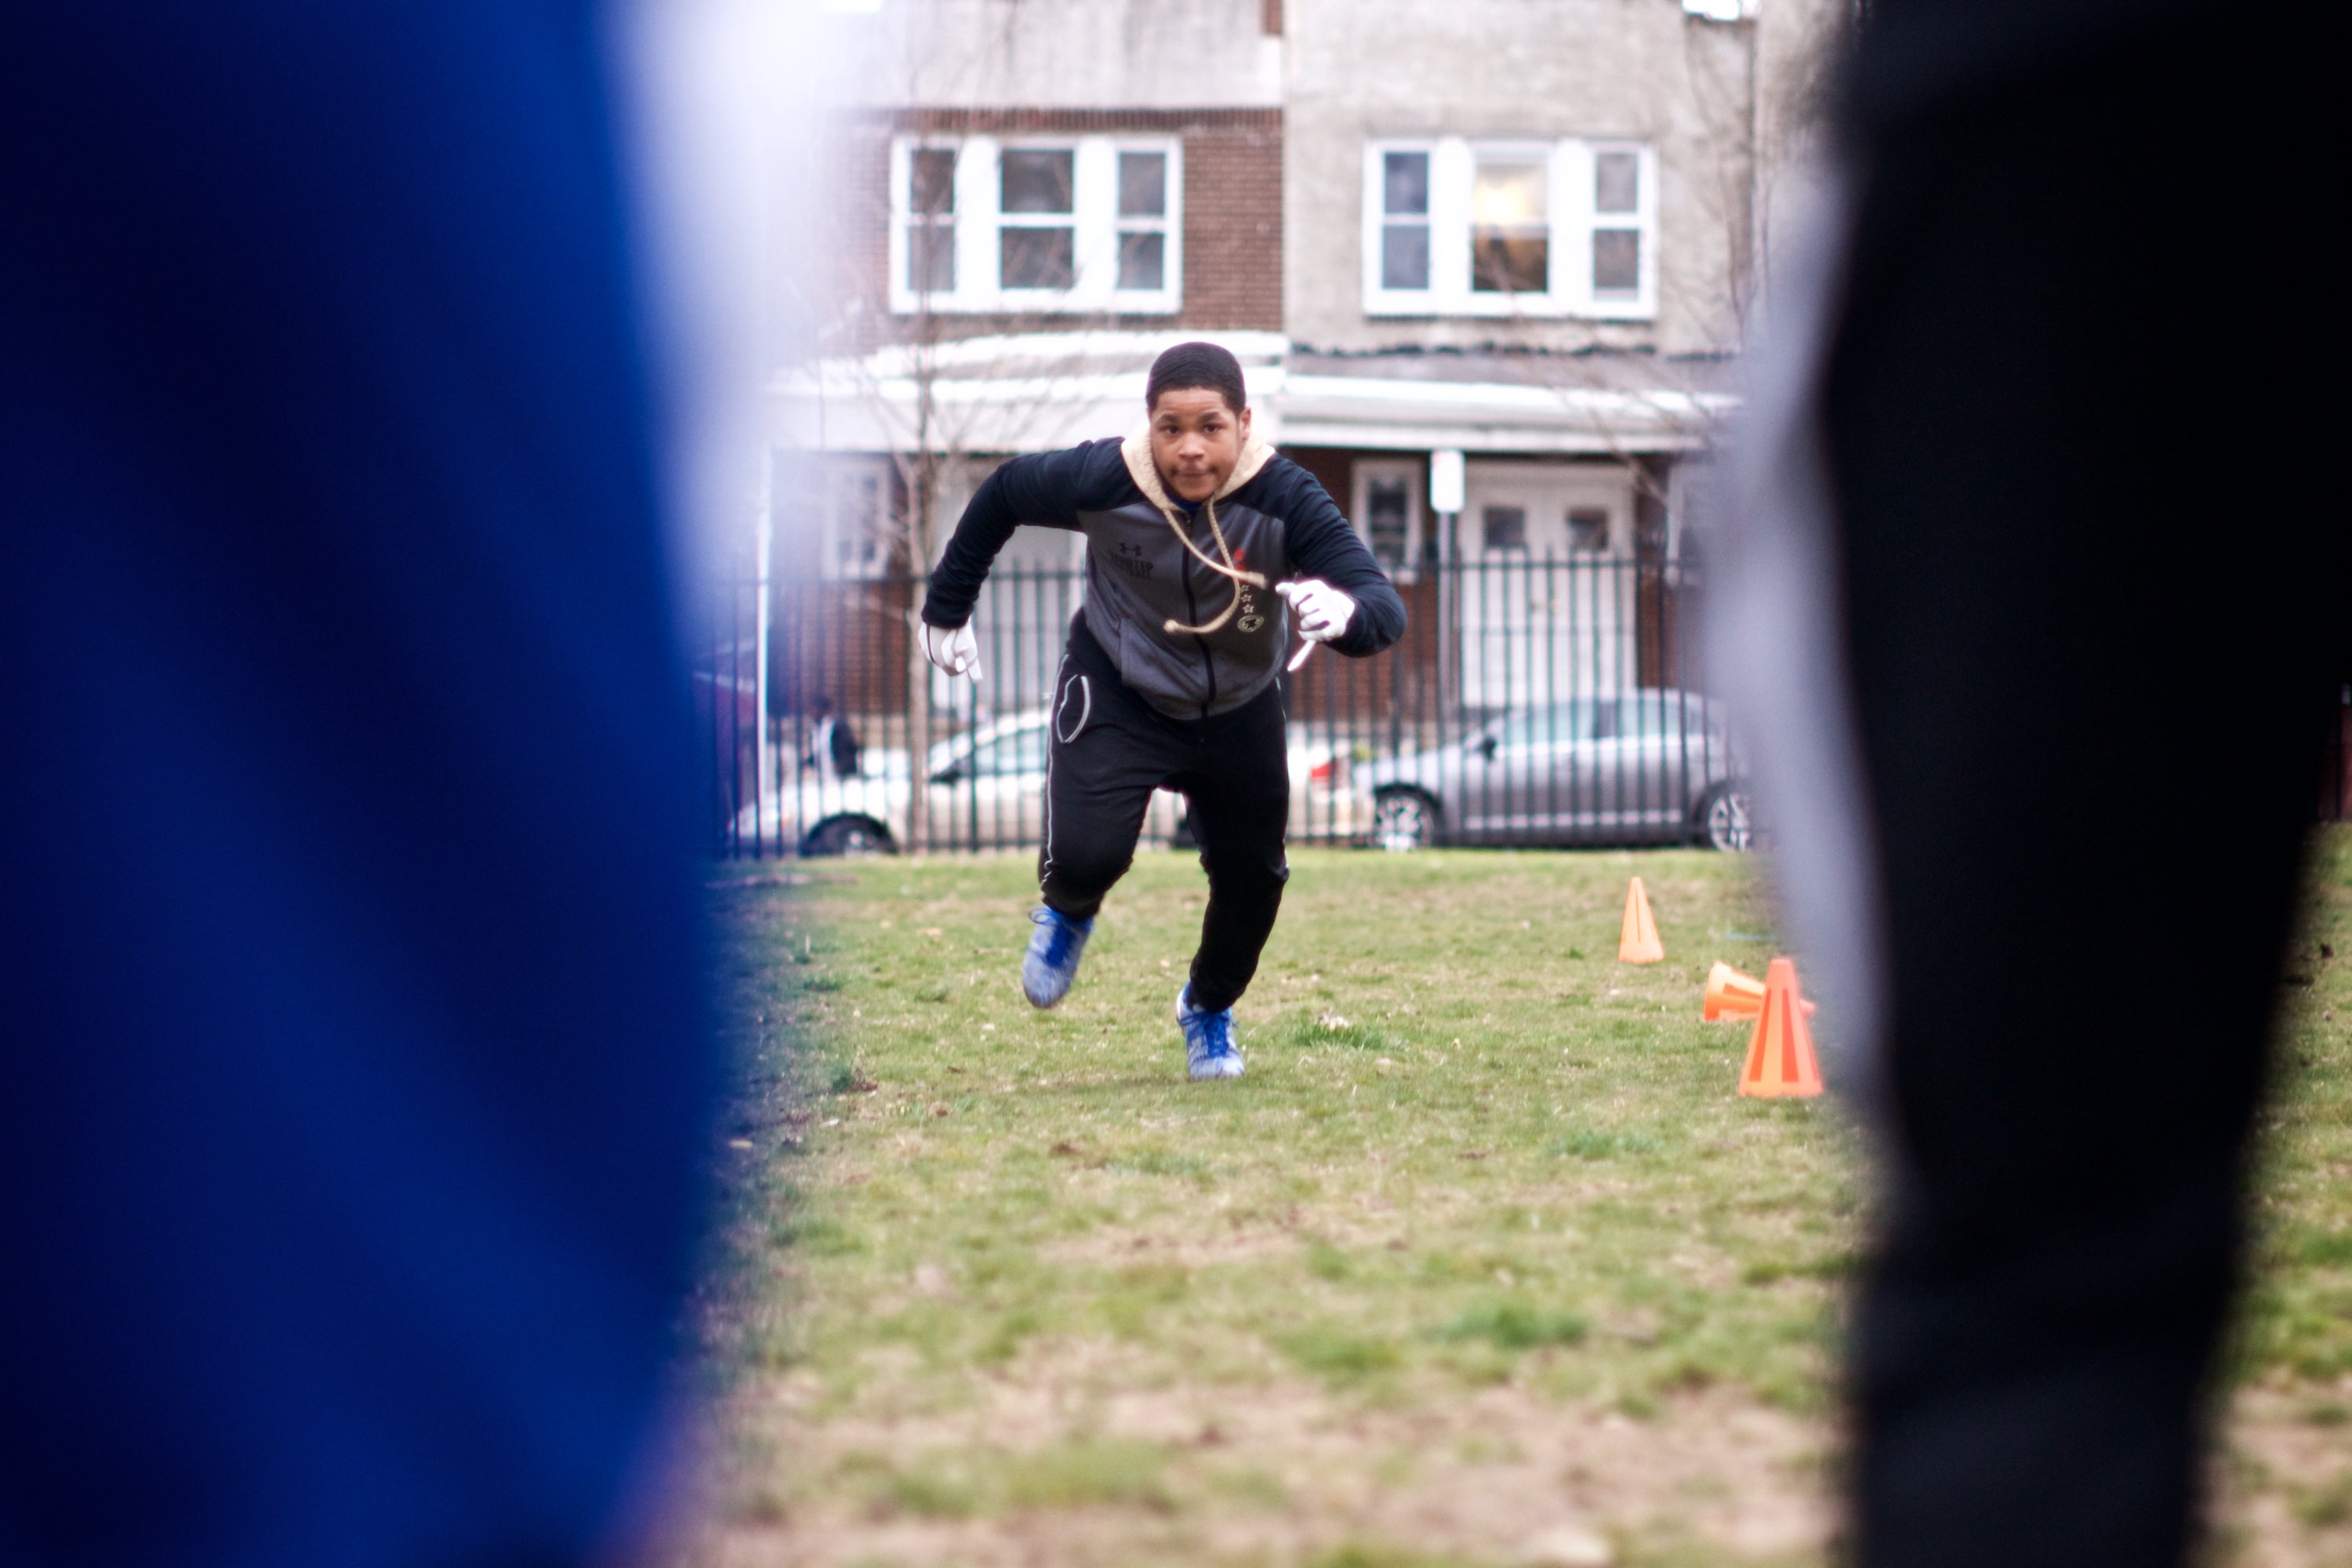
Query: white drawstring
[[1228, 567]]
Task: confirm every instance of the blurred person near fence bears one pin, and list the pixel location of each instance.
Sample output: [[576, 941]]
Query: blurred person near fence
[[356, 1060], [832, 745], [2040, 622]]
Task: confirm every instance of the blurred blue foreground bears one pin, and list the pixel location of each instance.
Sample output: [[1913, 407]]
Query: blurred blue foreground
[[353, 1056]]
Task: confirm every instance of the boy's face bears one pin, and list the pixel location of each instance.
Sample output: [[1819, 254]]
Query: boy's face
[[1196, 440]]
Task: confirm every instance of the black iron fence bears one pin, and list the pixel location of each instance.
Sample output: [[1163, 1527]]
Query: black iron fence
[[1532, 701]]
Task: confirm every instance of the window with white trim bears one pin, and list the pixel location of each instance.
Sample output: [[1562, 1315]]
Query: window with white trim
[[1036, 224], [1460, 228], [930, 220], [1388, 512], [854, 517]]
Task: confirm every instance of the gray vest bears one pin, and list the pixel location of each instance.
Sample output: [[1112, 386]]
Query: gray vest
[[1140, 576]]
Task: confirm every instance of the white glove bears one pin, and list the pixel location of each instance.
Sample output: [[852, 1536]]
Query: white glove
[[1323, 611], [956, 651]]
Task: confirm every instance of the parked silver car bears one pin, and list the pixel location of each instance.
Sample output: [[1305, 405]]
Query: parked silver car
[[1647, 766], [987, 789]]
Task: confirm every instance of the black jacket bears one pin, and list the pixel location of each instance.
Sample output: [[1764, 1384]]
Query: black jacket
[[1142, 581]]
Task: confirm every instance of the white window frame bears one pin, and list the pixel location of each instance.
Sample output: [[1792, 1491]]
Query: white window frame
[[1452, 162], [1408, 472], [1094, 217]]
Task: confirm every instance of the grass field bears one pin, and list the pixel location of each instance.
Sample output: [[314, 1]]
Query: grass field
[[1483, 1263]]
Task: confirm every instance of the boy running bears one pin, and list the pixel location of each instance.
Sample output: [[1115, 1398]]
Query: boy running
[[1200, 543]]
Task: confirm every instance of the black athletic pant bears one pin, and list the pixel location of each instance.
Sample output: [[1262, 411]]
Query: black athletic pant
[[1110, 750], [2095, 591]]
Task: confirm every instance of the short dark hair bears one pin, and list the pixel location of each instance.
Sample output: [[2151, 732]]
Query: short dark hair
[[1189, 365]]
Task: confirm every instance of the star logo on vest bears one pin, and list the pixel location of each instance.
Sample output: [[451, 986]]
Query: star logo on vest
[[1250, 619]]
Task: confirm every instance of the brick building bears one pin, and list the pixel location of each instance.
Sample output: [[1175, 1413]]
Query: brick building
[[1486, 264]]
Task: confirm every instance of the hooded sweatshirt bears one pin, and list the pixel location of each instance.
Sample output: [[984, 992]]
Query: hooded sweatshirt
[[1194, 631]]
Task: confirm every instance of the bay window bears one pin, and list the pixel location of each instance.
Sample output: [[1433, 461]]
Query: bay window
[[1043, 225], [1460, 227]]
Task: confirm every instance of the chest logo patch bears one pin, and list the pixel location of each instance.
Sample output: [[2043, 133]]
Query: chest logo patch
[[1130, 558]]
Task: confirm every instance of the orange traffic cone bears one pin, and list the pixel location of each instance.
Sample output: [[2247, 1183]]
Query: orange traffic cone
[[1731, 994], [1780, 1060], [1640, 944]]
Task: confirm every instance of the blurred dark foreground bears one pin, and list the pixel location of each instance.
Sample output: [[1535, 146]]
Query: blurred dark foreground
[[2084, 568]]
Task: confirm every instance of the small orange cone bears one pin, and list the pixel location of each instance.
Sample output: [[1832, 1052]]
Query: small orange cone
[[1731, 994], [1640, 944], [1780, 1060]]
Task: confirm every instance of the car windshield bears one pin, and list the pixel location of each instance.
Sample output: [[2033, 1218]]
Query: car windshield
[[1640, 716], [1558, 724], [1022, 752], [1626, 716]]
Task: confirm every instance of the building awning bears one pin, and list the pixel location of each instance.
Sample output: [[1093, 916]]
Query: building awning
[[1039, 391], [1506, 402]]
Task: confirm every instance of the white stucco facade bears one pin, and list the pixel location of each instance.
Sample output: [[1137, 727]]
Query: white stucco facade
[[1064, 54], [1705, 99]]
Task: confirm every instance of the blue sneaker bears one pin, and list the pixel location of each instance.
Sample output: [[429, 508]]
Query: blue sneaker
[[1208, 1040], [1053, 959]]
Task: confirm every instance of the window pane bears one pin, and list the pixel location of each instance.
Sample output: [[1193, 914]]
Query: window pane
[[1404, 256], [1507, 191], [1387, 501], [932, 184], [1143, 185], [858, 522], [1588, 528], [1405, 182], [1501, 263], [1617, 182], [1036, 258], [1035, 179], [1143, 260], [930, 257], [1616, 261], [1504, 527], [1510, 252]]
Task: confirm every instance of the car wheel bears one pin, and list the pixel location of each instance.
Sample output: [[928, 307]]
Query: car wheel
[[849, 835], [1403, 819], [1725, 820]]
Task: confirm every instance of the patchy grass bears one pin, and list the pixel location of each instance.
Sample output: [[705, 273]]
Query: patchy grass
[[2285, 1477], [1484, 1248]]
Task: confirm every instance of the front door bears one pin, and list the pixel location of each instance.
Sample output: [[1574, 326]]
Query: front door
[[1546, 589]]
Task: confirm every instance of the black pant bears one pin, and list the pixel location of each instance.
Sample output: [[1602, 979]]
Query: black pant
[[1110, 750], [2094, 596]]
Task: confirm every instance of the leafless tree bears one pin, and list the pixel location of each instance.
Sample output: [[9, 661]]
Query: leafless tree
[[942, 392]]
